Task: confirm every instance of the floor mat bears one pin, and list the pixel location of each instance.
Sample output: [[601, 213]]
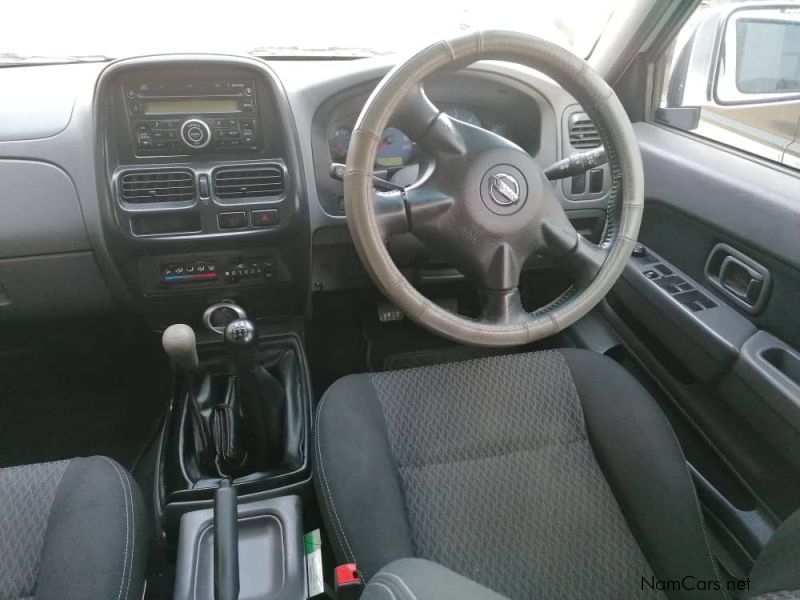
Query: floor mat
[[82, 391]]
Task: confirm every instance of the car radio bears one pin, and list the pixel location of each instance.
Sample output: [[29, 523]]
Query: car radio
[[176, 117]]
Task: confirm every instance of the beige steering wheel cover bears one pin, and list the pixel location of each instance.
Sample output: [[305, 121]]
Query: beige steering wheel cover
[[589, 89]]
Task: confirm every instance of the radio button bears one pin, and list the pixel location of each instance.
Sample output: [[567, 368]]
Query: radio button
[[195, 133]]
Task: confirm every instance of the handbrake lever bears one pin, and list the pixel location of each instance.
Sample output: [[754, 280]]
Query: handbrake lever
[[226, 542]]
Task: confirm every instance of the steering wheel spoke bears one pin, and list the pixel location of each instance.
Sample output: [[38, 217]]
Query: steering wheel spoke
[[502, 307], [433, 130], [400, 212], [568, 249]]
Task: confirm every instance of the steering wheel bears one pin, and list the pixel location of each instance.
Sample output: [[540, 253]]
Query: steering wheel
[[484, 204]]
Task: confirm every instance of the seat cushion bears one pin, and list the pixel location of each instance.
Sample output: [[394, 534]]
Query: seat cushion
[[71, 529], [489, 468]]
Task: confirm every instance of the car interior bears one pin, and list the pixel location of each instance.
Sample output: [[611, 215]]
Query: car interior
[[489, 312]]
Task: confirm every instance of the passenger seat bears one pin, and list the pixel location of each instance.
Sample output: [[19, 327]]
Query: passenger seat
[[71, 529]]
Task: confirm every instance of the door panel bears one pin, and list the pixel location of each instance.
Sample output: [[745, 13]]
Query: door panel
[[686, 240], [710, 311]]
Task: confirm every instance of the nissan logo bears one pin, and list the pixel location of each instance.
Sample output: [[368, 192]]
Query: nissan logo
[[503, 189]]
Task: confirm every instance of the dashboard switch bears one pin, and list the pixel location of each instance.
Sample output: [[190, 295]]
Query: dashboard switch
[[578, 184], [595, 181], [265, 218], [232, 220]]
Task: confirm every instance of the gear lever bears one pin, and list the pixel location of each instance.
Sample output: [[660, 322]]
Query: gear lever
[[241, 339], [180, 344], [260, 395]]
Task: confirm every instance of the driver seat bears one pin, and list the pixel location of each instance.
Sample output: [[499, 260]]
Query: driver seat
[[543, 475]]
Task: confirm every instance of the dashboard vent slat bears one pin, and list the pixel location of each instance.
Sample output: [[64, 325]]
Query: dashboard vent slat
[[169, 185], [249, 181], [582, 132]]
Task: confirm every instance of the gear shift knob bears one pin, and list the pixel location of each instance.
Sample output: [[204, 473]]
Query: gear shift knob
[[241, 334], [241, 338], [180, 344]]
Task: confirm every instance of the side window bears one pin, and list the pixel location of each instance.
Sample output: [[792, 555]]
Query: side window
[[733, 76]]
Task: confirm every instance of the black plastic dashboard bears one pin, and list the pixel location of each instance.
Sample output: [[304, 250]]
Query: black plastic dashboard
[[167, 183]]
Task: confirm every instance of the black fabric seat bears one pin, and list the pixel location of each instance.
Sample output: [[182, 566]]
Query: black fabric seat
[[70, 530], [544, 475]]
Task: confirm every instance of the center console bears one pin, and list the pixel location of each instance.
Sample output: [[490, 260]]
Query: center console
[[205, 221], [203, 199], [233, 471]]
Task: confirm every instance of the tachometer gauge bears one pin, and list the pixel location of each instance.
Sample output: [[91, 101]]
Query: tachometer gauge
[[464, 114], [394, 149], [340, 142]]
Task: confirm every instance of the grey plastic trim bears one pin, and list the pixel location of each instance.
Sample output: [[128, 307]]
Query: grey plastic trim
[[283, 534], [38, 101], [760, 201], [39, 210], [777, 388]]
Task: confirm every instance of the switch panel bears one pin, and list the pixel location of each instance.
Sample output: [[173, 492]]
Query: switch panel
[[187, 272]]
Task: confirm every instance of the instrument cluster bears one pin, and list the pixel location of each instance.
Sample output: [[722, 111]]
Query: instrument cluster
[[396, 149]]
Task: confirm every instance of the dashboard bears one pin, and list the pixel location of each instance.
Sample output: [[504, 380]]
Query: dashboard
[[164, 184]]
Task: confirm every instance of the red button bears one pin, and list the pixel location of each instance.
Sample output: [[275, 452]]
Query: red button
[[346, 574], [265, 218]]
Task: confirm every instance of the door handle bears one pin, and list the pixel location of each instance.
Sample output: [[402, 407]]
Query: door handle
[[741, 279]]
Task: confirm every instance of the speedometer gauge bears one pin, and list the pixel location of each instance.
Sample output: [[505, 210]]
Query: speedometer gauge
[[394, 149], [340, 142]]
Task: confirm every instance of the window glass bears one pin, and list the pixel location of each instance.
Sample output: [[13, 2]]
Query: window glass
[[733, 76], [767, 56]]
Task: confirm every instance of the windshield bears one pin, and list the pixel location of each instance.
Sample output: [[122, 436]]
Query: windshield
[[115, 29]]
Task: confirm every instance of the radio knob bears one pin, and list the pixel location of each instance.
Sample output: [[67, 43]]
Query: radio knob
[[195, 133]]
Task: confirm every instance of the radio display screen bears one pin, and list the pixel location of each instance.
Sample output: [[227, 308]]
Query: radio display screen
[[199, 105]]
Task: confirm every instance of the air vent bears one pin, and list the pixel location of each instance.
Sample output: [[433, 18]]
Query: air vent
[[173, 185], [582, 132], [248, 181]]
